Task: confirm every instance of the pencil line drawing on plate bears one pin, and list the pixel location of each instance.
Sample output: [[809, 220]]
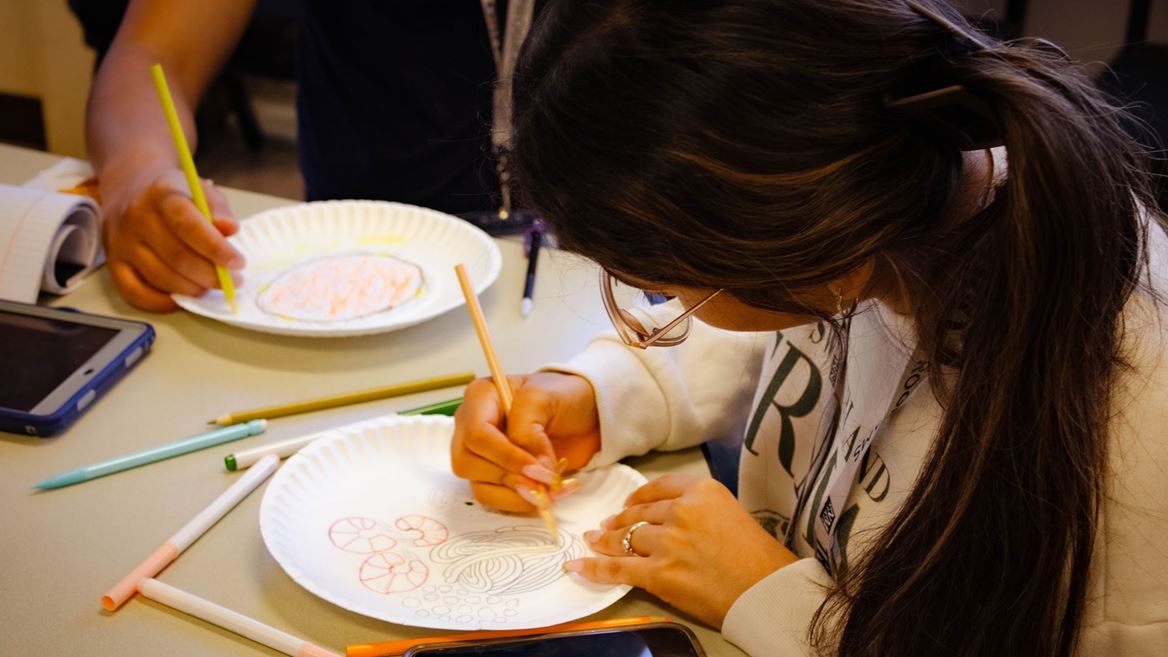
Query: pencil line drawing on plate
[[341, 287], [479, 571], [507, 560]]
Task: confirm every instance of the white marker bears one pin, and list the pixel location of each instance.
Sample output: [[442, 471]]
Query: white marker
[[190, 532], [280, 450], [230, 620]]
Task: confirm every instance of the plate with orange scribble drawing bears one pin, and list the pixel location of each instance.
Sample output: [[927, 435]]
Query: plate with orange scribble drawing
[[341, 268]]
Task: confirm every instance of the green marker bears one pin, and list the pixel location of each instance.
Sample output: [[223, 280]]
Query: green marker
[[159, 453], [287, 448]]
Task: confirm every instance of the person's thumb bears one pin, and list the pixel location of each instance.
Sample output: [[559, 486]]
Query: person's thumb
[[531, 413]]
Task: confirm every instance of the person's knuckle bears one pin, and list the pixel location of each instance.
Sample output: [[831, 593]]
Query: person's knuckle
[[515, 460], [514, 481], [459, 467], [610, 541], [481, 385], [135, 220], [482, 494], [477, 436], [159, 187], [611, 569], [532, 394], [706, 487]]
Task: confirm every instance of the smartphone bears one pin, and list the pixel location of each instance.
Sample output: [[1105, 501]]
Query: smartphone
[[651, 640], [55, 363]]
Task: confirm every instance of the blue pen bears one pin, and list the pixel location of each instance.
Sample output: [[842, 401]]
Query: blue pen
[[168, 450]]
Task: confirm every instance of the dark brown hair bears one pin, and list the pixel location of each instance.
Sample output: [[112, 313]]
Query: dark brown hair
[[747, 144]]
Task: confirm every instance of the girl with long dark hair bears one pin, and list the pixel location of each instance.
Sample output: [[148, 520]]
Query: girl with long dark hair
[[929, 293]]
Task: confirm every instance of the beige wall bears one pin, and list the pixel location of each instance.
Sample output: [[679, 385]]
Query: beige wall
[[42, 54], [16, 76]]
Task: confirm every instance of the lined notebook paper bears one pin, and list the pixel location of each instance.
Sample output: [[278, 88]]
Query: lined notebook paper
[[48, 241]]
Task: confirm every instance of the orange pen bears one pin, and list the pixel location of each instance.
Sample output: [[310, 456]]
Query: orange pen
[[395, 648]]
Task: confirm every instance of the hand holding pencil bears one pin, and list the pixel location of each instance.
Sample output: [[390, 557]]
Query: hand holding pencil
[[514, 444], [187, 163]]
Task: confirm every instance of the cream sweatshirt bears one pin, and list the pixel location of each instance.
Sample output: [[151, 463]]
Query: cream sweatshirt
[[774, 390]]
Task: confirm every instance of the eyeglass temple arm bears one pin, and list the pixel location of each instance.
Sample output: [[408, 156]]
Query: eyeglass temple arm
[[664, 330]]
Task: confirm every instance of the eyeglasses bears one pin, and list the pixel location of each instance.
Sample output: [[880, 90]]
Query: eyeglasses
[[634, 324]]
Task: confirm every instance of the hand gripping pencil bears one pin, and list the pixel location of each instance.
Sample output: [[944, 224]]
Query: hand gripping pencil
[[544, 505], [188, 167]]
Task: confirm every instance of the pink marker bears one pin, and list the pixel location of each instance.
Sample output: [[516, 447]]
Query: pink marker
[[183, 538]]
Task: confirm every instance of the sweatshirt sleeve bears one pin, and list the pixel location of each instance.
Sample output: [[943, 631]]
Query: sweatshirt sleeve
[[773, 616], [668, 398]]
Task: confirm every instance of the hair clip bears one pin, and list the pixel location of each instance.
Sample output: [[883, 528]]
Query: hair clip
[[953, 110], [949, 108]]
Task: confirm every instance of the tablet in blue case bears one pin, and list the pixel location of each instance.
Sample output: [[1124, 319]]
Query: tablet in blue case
[[56, 363]]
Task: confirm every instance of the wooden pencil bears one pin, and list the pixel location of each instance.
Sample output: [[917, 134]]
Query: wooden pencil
[[345, 399], [501, 384]]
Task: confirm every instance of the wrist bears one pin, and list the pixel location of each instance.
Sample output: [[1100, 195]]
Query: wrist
[[769, 557], [123, 177]]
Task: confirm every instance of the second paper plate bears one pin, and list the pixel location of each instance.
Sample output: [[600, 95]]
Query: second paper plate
[[370, 519], [340, 268]]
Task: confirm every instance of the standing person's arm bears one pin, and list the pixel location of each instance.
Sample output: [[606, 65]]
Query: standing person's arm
[[156, 241]]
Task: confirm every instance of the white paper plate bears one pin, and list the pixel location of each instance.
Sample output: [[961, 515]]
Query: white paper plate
[[370, 519], [281, 239]]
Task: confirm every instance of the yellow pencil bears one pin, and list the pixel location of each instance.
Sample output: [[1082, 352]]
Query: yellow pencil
[[544, 505], [188, 167], [310, 405]]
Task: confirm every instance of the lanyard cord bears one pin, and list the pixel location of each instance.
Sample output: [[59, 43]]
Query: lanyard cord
[[845, 459], [505, 49], [837, 373]]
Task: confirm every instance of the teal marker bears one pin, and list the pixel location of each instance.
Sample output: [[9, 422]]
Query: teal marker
[[177, 448]]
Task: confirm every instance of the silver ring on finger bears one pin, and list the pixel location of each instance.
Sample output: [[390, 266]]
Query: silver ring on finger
[[627, 541]]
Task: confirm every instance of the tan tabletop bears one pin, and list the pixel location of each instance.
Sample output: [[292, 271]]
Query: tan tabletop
[[60, 550]]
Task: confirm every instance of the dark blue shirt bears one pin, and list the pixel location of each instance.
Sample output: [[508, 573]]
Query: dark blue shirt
[[395, 102]]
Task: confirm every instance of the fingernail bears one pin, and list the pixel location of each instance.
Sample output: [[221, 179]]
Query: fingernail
[[593, 535], [547, 462], [607, 522], [531, 497], [573, 566], [567, 487], [541, 498], [540, 474]]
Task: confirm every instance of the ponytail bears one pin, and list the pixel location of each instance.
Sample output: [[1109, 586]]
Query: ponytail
[[990, 554], [751, 146]]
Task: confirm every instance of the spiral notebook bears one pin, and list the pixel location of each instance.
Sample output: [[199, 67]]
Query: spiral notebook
[[49, 241]]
